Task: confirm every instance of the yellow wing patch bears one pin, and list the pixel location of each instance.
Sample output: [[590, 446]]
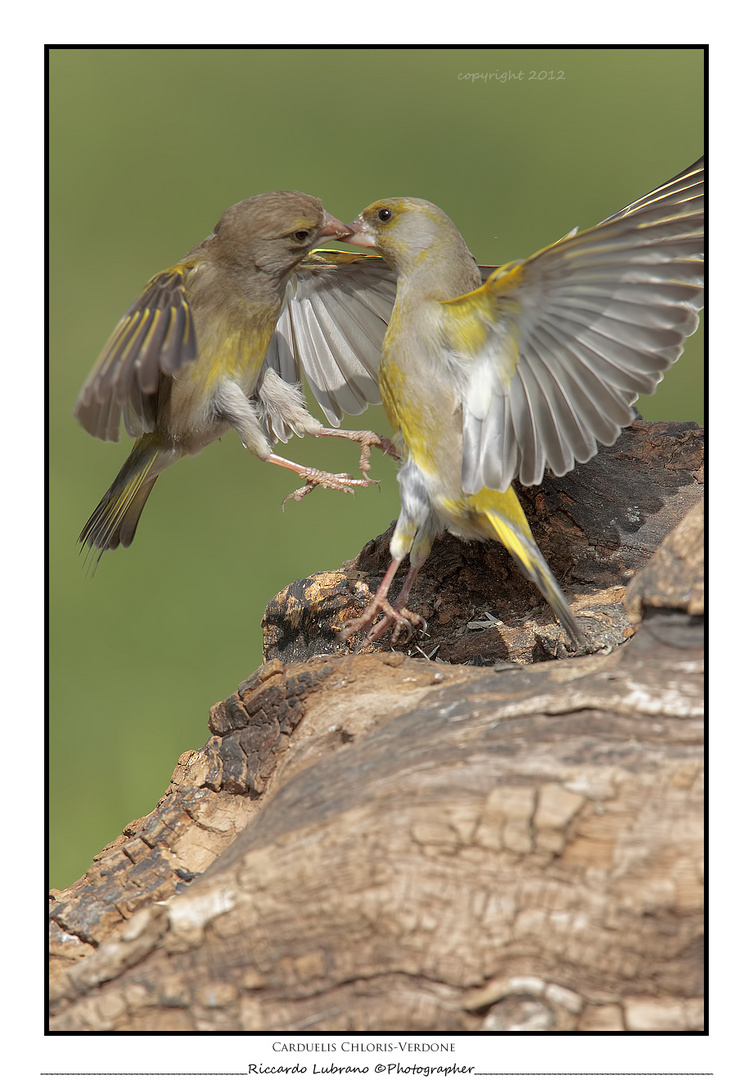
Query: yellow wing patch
[[330, 257], [484, 323]]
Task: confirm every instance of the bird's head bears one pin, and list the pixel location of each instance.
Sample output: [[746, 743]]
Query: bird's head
[[273, 232], [409, 233]]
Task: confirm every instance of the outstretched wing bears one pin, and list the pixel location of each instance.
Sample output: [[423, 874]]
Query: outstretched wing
[[556, 349], [337, 308], [155, 337]]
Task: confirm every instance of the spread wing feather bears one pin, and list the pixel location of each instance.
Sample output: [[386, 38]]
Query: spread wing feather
[[337, 308], [557, 348]]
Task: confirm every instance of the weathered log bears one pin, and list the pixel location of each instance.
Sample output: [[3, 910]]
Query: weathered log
[[384, 842]]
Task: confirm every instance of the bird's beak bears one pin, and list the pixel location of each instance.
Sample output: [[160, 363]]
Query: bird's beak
[[360, 233], [335, 229]]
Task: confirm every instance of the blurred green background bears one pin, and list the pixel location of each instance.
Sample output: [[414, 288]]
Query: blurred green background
[[147, 148]]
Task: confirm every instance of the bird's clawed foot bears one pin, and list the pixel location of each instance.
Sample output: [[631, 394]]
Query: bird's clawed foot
[[334, 481], [318, 478], [368, 440], [401, 619]]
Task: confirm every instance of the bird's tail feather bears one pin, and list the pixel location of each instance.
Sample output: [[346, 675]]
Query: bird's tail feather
[[114, 521], [526, 553]]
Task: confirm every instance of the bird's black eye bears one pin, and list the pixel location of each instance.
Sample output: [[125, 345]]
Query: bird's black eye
[[302, 235], [384, 214]]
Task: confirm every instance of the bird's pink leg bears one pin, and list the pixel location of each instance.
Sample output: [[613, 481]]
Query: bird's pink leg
[[399, 616]]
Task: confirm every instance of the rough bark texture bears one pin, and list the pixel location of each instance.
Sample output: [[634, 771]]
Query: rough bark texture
[[390, 843], [596, 527]]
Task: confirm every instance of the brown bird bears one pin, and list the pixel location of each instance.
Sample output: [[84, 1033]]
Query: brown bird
[[204, 349]]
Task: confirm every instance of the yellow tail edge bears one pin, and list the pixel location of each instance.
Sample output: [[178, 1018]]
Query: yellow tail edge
[[526, 553]]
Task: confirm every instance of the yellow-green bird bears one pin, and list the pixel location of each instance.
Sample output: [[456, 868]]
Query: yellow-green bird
[[219, 341], [485, 381]]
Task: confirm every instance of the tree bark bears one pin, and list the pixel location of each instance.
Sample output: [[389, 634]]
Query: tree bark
[[373, 841]]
